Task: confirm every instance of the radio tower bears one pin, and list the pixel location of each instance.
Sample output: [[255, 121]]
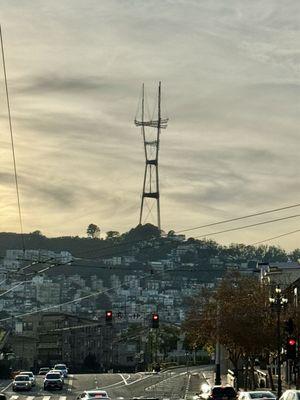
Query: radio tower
[[151, 147]]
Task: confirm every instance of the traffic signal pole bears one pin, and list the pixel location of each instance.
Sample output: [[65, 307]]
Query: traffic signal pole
[[279, 382]]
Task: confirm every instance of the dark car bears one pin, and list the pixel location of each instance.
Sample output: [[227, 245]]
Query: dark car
[[2, 396], [222, 393], [53, 380]]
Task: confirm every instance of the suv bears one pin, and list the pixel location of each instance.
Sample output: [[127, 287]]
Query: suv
[[62, 368], [53, 380], [222, 393]]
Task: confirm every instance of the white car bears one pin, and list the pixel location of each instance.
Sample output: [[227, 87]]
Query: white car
[[93, 394], [291, 395], [61, 367], [31, 376], [259, 395]]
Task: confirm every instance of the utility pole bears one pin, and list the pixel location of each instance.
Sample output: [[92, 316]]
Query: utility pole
[[151, 150], [278, 303], [218, 351]]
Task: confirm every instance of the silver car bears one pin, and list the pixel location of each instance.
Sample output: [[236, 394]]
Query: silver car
[[31, 376], [21, 382]]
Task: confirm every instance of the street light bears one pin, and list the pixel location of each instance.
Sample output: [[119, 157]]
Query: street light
[[278, 303]]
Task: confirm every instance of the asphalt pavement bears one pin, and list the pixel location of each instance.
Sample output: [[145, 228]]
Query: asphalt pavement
[[174, 384]]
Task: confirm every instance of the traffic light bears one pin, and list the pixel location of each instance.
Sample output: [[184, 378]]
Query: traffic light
[[155, 321], [108, 317], [289, 326], [291, 348]]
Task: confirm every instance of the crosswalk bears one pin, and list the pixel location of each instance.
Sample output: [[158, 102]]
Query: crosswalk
[[16, 397]]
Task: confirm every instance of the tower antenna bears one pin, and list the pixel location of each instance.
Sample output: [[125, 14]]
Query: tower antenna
[[151, 149]]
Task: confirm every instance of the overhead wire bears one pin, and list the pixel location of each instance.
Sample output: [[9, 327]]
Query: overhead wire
[[12, 141], [239, 218], [249, 226], [275, 237]]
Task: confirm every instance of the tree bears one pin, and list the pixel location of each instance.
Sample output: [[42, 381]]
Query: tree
[[93, 231], [238, 315], [112, 235]]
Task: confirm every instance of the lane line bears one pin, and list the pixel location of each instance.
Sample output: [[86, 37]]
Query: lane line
[[46, 397], [29, 397], [7, 388], [14, 397], [70, 383], [62, 397]]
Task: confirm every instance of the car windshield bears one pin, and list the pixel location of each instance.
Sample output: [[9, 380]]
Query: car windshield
[[22, 378], [26, 373], [60, 367], [97, 394], [53, 376], [260, 395]]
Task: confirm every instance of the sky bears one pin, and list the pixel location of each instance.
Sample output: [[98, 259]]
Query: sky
[[230, 73]]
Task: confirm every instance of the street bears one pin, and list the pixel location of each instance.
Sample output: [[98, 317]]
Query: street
[[172, 384]]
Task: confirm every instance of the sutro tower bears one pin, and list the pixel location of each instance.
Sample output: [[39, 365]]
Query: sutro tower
[[151, 138]]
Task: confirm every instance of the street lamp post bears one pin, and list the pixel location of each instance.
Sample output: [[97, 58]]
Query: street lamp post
[[278, 303]]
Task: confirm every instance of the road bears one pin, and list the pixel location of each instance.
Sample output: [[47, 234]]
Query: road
[[172, 384]]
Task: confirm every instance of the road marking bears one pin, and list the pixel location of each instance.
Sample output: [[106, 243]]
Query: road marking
[[14, 397], [7, 387], [124, 380], [29, 397], [70, 383], [62, 397], [46, 397]]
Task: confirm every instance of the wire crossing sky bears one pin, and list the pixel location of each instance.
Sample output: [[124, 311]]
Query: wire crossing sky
[[231, 79]]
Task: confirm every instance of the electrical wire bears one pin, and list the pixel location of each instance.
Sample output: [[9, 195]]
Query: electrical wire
[[275, 237], [239, 218], [248, 226], [12, 141]]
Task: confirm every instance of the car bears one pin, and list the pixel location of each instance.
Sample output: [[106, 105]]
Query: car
[[260, 394], [31, 376], [93, 394], [59, 372], [44, 370], [21, 382], [290, 395], [2, 396], [53, 380], [219, 392], [63, 368]]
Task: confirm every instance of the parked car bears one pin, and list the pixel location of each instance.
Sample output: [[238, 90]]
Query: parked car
[[21, 382], [31, 376], [53, 380], [63, 368], [290, 395], [222, 393], [44, 370], [260, 394], [93, 394]]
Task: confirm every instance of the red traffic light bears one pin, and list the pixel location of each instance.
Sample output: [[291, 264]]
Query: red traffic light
[[292, 342], [155, 317], [108, 317]]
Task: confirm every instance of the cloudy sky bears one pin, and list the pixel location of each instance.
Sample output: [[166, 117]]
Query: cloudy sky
[[230, 72]]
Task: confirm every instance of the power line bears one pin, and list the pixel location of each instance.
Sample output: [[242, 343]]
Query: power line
[[240, 218], [12, 141], [275, 237], [249, 226]]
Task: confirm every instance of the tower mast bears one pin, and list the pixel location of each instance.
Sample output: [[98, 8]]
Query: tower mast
[[151, 149]]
